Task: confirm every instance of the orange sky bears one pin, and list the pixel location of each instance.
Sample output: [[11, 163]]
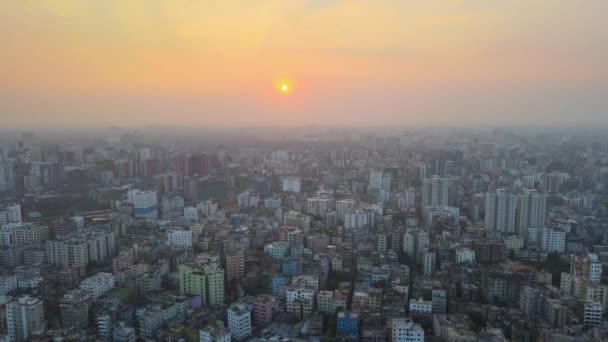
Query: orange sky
[[190, 62]]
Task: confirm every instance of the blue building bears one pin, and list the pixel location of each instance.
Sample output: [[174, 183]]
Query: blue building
[[348, 324], [278, 285], [292, 267]]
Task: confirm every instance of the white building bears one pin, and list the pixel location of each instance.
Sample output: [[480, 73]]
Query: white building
[[500, 211], [380, 181], [318, 206], [191, 214], [98, 284], [25, 318], [145, 204], [531, 212], [464, 255], [248, 199], [239, 321], [300, 300], [10, 214], [179, 238], [421, 306], [272, 202], [554, 240], [592, 313], [207, 208], [595, 268], [344, 206], [405, 330], [8, 283], [435, 191], [291, 184], [355, 220]]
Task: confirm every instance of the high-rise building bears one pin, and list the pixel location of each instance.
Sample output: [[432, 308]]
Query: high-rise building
[[10, 213], [239, 321], [435, 191], [500, 211], [587, 267], [206, 282], [380, 180], [440, 303], [428, 263], [74, 309], [7, 177], [291, 184], [554, 240], [264, 308], [25, 318], [343, 207], [531, 212], [81, 248], [318, 206], [235, 264], [145, 204]]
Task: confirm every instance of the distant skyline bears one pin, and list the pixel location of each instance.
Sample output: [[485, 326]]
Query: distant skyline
[[353, 63]]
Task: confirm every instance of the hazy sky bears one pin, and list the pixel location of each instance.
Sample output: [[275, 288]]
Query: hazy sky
[[397, 62]]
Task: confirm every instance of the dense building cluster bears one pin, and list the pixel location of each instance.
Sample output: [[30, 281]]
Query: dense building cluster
[[319, 235]]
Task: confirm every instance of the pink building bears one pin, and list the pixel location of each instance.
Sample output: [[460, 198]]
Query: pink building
[[122, 262], [264, 308]]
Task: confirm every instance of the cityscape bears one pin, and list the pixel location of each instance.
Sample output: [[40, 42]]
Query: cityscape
[[307, 235], [304, 171]]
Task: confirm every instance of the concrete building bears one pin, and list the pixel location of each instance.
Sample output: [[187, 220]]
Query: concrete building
[[264, 308], [25, 319], [347, 324], [179, 238], [81, 248], [74, 309], [464, 255], [500, 211], [98, 284], [420, 306], [239, 321], [428, 263], [435, 191], [291, 184], [531, 212], [405, 330], [145, 204], [206, 281], [318, 206], [554, 240]]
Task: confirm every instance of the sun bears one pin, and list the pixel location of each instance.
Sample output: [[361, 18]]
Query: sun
[[284, 87]]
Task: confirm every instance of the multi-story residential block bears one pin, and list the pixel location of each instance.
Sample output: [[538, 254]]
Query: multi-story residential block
[[405, 330], [25, 319], [239, 321], [179, 238], [81, 248], [347, 324], [98, 284], [145, 204], [264, 309]]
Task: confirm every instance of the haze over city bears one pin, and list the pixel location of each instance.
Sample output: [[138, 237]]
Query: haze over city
[[345, 63]]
